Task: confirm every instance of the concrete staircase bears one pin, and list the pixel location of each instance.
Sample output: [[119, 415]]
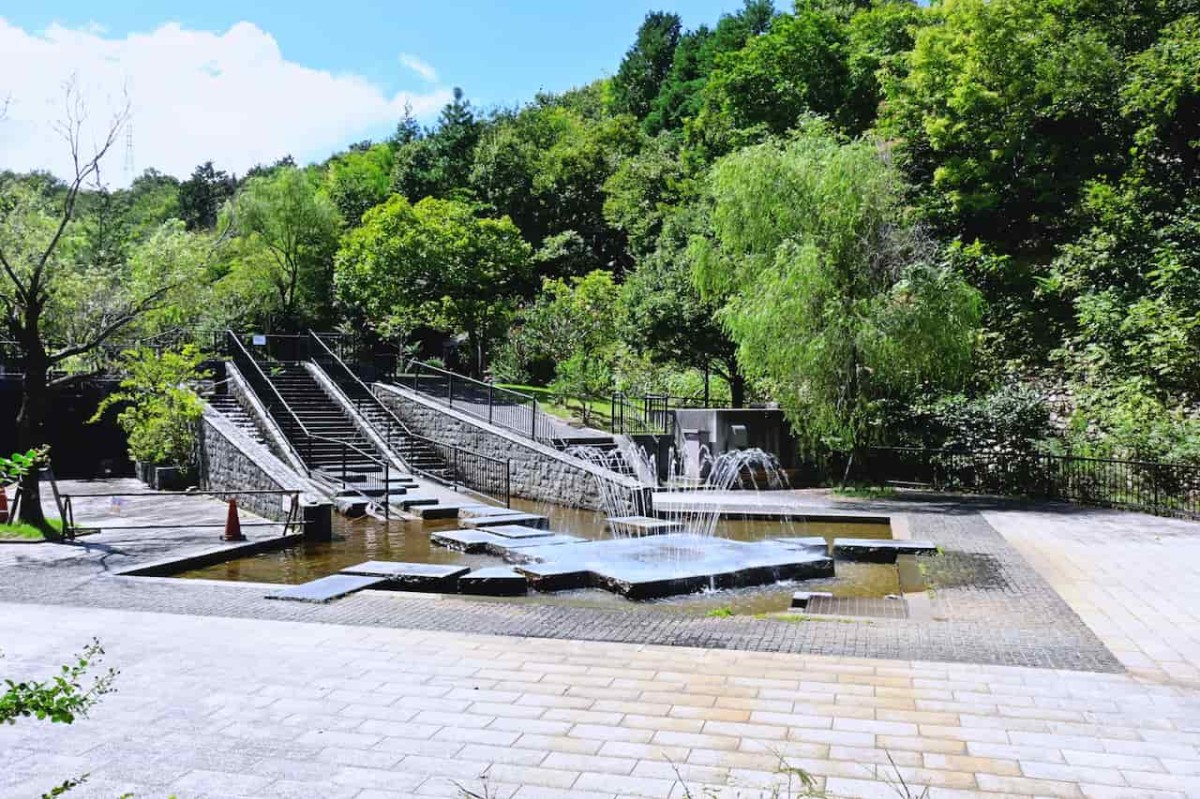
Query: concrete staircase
[[415, 451], [338, 448], [229, 407]]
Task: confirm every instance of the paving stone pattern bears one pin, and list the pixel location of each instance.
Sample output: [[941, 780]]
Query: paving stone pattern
[[211, 708], [989, 605]]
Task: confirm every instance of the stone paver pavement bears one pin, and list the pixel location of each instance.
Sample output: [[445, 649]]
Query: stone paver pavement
[[218, 707], [1133, 579]]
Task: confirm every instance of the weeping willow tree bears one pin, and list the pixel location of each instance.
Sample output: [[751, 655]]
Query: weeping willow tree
[[835, 304]]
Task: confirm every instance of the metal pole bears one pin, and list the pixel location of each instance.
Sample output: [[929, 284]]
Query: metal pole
[[450, 388], [507, 483], [491, 390]]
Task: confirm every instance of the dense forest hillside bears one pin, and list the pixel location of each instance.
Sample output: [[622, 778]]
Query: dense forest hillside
[[973, 223]]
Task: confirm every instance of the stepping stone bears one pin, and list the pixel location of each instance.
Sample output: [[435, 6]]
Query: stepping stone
[[518, 549], [493, 581], [523, 519], [518, 531], [438, 511], [800, 599], [871, 550], [327, 589], [410, 576], [464, 540], [414, 500], [814, 542], [555, 576], [643, 525], [471, 511]]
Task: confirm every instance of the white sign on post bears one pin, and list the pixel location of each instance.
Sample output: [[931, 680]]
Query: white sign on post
[[259, 340]]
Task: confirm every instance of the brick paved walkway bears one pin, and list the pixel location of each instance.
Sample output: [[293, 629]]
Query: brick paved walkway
[[988, 604], [1134, 580], [212, 707]]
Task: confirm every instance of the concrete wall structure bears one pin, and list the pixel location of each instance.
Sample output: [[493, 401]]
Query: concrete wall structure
[[539, 472], [722, 430], [231, 461]]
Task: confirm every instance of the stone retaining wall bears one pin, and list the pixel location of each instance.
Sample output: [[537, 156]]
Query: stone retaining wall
[[538, 472], [231, 461]]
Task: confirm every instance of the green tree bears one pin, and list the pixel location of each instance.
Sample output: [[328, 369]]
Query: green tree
[[829, 296], [159, 406], [573, 325], [1008, 108], [665, 318], [202, 195], [359, 180], [437, 164], [289, 213], [435, 264], [679, 99], [646, 64], [56, 308], [545, 167], [61, 699]]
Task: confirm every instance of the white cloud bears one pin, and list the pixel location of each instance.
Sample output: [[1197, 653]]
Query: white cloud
[[193, 95], [419, 66]]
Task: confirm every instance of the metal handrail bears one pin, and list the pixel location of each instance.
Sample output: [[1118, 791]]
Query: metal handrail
[[530, 428], [309, 437], [407, 433]]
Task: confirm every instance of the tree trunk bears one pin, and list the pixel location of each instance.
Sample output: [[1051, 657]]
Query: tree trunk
[[737, 387], [31, 430]]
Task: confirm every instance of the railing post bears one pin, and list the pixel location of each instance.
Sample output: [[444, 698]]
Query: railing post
[[533, 418], [344, 480], [387, 505], [491, 391], [507, 483], [450, 388]]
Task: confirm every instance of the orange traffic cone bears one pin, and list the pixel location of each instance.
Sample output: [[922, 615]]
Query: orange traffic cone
[[3, 505], [233, 527]]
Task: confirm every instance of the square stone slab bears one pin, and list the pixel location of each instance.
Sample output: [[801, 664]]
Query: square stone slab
[[518, 531], [410, 576], [470, 511], [513, 550], [493, 581], [872, 550], [522, 519], [555, 576], [435, 511], [465, 540], [327, 589], [643, 525], [666, 565]]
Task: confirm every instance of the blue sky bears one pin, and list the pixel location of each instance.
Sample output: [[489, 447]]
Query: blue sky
[[245, 83], [498, 52]]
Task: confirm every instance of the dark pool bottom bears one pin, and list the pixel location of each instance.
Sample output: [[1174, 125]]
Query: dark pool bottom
[[359, 540]]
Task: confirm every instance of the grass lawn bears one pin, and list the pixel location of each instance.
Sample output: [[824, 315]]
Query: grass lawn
[[571, 409], [27, 531]]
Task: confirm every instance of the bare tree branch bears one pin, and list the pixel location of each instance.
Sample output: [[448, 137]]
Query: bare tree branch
[[145, 305], [71, 129]]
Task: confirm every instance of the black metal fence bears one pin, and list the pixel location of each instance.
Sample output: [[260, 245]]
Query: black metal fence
[[442, 461], [649, 415], [1163, 489], [502, 407]]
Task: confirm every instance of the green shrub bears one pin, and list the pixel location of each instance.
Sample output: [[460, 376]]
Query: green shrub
[[161, 408]]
